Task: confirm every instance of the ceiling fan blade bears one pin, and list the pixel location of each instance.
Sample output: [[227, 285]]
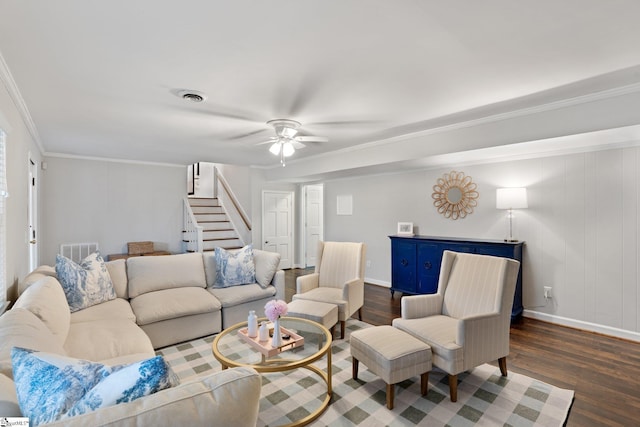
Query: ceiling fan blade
[[297, 145], [269, 141], [345, 122], [295, 96], [311, 139], [246, 135]]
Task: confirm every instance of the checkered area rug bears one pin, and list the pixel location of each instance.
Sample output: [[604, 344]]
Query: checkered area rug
[[485, 398]]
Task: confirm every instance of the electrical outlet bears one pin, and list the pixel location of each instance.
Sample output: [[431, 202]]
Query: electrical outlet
[[368, 263], [547, 292]]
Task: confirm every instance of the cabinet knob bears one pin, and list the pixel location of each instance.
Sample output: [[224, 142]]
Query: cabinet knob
[[404, 262], [427, 265]]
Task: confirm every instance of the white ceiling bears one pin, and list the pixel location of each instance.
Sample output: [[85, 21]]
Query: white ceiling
[[99, 78]]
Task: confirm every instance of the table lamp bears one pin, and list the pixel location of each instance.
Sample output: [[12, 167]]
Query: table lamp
[[511, 198]]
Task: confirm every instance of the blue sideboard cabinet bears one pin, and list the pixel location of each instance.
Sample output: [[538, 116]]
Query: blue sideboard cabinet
[[415, 262]]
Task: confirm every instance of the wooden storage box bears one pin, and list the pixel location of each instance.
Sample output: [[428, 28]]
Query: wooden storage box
[[139, 248]]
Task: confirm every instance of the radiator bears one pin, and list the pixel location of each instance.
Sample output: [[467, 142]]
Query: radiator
[[77, 251]]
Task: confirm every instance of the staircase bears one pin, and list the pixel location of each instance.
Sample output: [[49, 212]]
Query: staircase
[[217, 229]]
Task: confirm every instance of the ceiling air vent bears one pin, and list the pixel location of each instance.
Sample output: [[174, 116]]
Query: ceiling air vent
[[192, 95]]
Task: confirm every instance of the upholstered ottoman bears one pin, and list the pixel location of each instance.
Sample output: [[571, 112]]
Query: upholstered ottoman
[[321, 312], [391, 354]]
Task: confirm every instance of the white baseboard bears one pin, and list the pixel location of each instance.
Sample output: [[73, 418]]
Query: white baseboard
[[377, 282], [586, 326]]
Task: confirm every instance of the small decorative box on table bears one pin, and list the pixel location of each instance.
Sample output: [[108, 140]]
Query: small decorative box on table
[[266, 348]]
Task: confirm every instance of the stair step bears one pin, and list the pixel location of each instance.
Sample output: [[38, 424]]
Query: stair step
[[219, 235], [204, 210], [212, 217], [222, 243], [195, 201]]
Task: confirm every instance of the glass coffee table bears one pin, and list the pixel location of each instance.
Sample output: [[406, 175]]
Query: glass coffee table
[[231, 350]]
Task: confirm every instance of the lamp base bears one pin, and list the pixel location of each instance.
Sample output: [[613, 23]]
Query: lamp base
[[511, 240]]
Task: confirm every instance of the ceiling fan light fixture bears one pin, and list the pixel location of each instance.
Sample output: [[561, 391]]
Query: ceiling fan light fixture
[[287, 149], [275, 148]]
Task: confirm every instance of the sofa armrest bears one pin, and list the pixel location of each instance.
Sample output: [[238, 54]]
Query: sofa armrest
[[307, 282], [227, 398], [416, 306], [278, 282], [353, 293]]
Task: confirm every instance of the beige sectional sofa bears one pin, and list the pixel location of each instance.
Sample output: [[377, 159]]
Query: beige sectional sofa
[[160, 301]]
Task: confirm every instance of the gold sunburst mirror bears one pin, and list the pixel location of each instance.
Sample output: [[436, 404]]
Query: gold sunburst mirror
[[455, 195]]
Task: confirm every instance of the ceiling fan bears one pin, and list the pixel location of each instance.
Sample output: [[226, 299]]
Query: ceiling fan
[[287, 140]]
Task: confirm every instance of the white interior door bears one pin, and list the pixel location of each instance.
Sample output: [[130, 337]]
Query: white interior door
[[313, 221], [32, 213], [277, 225]]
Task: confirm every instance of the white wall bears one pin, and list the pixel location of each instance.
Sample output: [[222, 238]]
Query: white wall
[[19, 144], [582, 229], [111, 203], [239, 179]]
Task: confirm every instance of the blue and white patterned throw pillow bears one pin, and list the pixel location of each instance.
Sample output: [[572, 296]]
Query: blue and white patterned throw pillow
[[51, 387], [234, 268], [85, 284]]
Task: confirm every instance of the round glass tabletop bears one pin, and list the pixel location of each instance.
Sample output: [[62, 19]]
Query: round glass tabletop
[[231, 349]]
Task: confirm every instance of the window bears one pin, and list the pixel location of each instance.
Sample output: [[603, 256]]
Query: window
[[4, 193]]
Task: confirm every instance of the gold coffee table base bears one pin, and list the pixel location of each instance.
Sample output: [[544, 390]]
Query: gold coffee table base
[[277, 364]]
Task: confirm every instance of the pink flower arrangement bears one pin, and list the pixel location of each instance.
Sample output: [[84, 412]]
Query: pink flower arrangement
[[274, 309]]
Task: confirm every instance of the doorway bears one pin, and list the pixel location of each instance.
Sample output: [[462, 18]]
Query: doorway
[[277, 225], [32, 213], [313, 222]]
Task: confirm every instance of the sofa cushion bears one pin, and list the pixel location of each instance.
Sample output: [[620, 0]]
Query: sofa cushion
[[172, 303], [37, 274], [115, 309], [118, 273], [47, 301], [51, 387], [9, 406], [234, 267], [155, 273], [230, 297], [266, 266], [22, 328], [224, 398], [105, 339], [85, 284]]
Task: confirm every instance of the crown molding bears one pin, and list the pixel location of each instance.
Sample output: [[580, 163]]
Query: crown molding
[[18, 101], [112, 160]]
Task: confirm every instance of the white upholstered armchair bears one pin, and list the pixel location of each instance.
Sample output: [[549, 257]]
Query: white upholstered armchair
[[467, 321], [338, 279]]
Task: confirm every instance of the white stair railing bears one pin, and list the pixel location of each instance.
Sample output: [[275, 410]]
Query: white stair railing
[[193, 234]]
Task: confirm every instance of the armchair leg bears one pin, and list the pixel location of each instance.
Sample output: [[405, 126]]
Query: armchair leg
[[453, 387], [424, 383], [502, 362], [342, 324], [354, 368], [391, 388], [360, 313]]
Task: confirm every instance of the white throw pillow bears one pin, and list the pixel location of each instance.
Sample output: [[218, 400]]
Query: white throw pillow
[[266, 266], [85, 284]]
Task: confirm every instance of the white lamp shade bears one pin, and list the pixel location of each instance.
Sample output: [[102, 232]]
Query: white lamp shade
[[511, 198], [275, 148], [287, 149]]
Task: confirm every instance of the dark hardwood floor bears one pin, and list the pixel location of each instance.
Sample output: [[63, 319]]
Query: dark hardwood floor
[[603, 371]]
